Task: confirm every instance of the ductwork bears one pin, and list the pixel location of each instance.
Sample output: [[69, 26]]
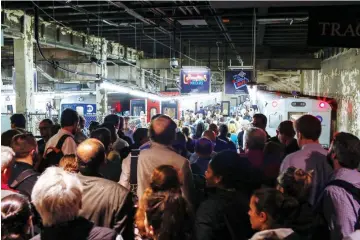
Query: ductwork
[[281, 20]]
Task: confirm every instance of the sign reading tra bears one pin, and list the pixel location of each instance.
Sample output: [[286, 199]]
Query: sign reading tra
[[334, 27]]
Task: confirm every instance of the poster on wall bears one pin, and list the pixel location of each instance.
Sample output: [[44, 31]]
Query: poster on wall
[[195, 81], [236, 81], [82, 109]]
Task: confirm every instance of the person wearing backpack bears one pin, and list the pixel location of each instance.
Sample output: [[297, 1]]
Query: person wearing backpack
[[63, 142], [341, 197], [22, 173]]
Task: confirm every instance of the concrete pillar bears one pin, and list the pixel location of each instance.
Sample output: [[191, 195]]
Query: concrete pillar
[[101, 94], [24, 63], [302, 79], [142, 79]]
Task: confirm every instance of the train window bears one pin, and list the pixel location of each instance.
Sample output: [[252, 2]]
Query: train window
[[153, 112], [275, 120], [9, 109], [137, 110], [80, 110], [293, 116]]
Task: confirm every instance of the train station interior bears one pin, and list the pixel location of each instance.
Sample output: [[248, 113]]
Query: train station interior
[[106, 53]]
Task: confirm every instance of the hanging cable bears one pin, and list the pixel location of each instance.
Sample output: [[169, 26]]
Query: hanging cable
[[254, 44]]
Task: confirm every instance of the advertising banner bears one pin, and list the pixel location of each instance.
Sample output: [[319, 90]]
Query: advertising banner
[[195, 81], [334, 27], [236, 81]]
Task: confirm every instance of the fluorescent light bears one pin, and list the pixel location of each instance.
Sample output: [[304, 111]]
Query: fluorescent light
[[114, 87], [194, 96], [121, 89], [240, 67]]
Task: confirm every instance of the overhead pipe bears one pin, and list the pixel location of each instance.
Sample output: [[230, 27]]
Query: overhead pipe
[[133, 65], [147, 21], [225, 32], [279, 20]]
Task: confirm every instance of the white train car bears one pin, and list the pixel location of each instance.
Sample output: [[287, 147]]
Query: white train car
[[278, 110]]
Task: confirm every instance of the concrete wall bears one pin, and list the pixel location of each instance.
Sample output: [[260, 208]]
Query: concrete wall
[[339, 78]]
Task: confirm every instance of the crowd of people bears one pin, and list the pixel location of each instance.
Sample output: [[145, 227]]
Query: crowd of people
[[175, 181]]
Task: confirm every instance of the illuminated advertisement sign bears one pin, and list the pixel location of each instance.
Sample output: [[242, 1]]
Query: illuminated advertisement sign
[[193, 81], [236, 82]]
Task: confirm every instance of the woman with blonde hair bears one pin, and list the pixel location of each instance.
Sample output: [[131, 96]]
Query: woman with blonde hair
[[233, 133], [69, 163]]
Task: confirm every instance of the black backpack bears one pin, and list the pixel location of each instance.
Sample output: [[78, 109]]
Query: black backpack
[[321, 229], [20, 179], [53, 158]]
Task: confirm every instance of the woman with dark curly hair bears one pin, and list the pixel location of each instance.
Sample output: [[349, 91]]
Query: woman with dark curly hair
[[164, 179]]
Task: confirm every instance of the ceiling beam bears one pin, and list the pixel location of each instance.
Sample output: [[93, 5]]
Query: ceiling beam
[[262, 12]]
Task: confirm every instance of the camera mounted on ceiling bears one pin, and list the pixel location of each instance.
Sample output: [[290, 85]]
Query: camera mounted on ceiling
[[174, 63]]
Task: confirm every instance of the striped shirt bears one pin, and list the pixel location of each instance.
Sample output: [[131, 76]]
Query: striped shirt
[[341, 209]]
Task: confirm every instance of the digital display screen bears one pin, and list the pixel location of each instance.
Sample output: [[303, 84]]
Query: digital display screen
[[298, 104]]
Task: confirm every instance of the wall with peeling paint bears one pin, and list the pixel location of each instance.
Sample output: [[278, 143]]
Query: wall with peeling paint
[[339, 78]]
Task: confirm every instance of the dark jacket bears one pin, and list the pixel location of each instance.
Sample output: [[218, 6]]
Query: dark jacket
[[107, 204], [223, 215], [304, 221], [266, 168], [241, 139], [78, 229], [200, 166], [190, 145], [25, 187], [292, 147]]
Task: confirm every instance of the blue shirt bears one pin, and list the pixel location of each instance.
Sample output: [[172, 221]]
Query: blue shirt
[[311, 157], [200, 166], [221, 145]]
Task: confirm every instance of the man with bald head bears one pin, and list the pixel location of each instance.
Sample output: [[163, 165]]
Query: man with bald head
[[162, 132], [104, 202]]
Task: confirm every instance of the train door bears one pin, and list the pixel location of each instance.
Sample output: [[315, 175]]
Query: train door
[[153, 108], [137, 106]]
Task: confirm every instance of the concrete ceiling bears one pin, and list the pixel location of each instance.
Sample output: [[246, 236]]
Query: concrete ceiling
[[156, 27]]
